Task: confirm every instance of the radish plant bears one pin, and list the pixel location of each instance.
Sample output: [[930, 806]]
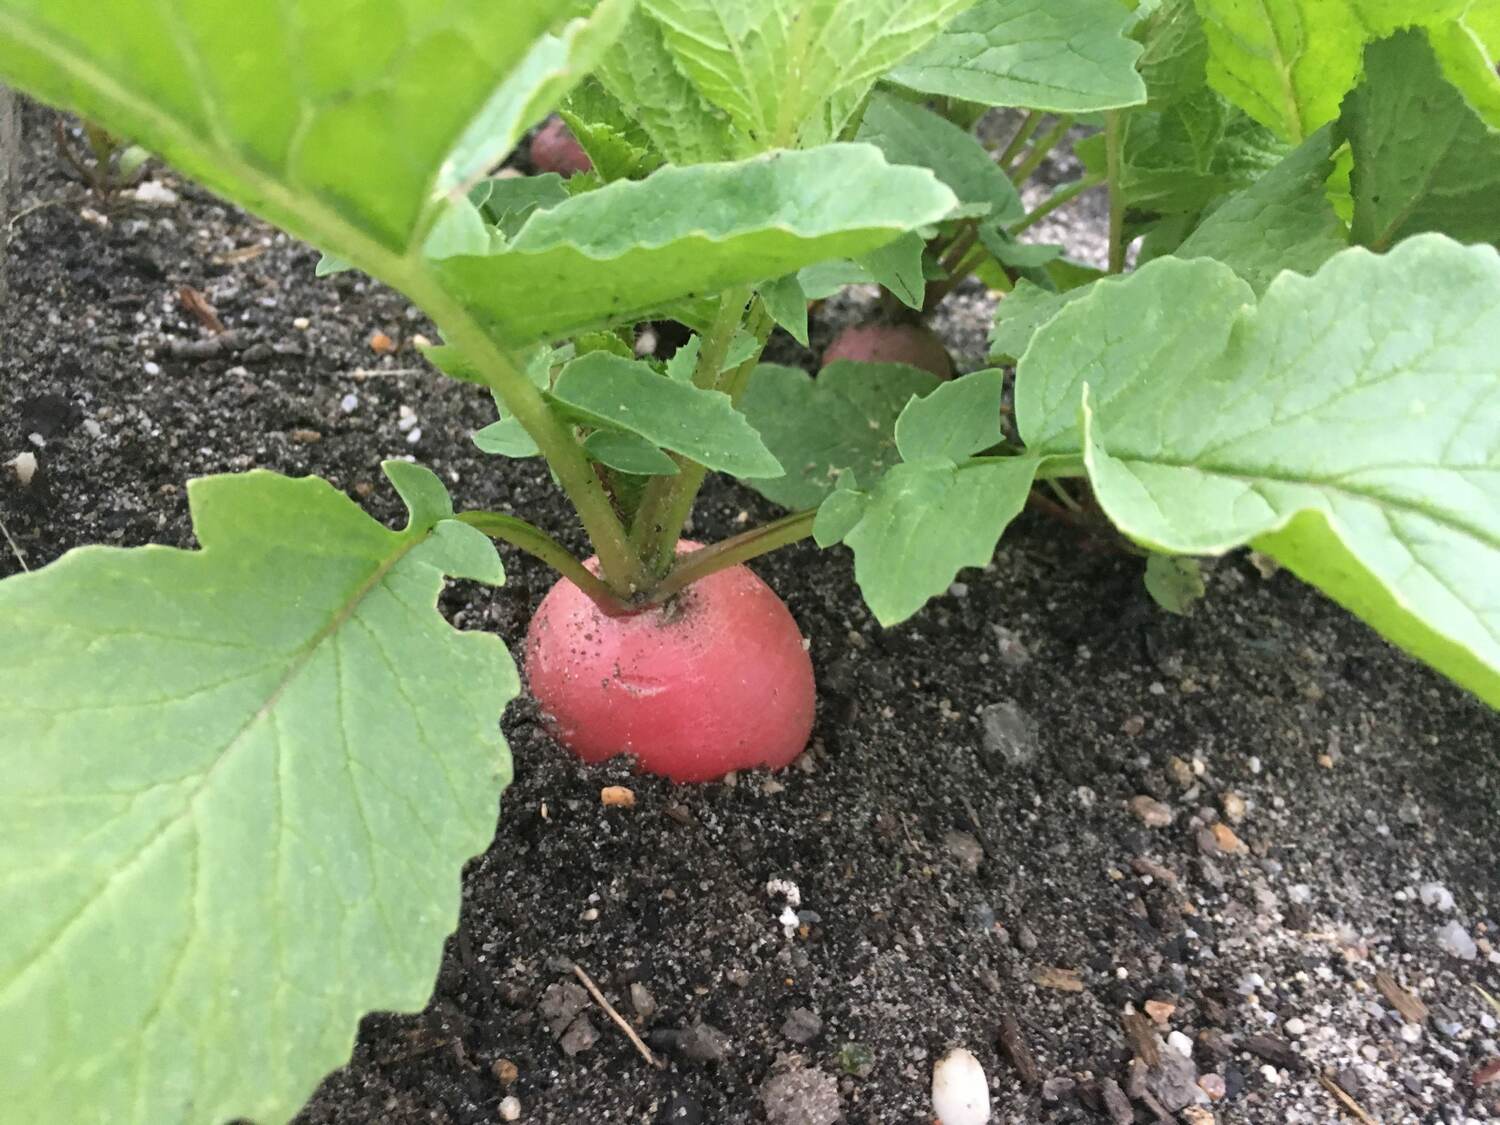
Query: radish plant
[[240, 781]]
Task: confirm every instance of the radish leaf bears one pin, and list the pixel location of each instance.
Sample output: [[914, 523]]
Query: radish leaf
[[1423, 161], [1067, 56], [1347, 424], [626, 249], [620, 394], [286, 754], [843, 419], [955, 420], [629, 453], [794, 72]]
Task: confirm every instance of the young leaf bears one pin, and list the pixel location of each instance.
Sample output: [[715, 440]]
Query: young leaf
[[684, 361], [507, 203], [1065, 56], [838, 514], [1423, 161], [238, 794], [647, 81], [629, 453], [370, 92], [774, 67], [628, 248], [787, 303], [898, 266], [955, 420], [616, 144], [1284, 221], [924, 522], [913, 134], [1348, 425], [505, 438], [1175, 582], [843, 419], [622, 394], [1288, 63], [1469, 50]]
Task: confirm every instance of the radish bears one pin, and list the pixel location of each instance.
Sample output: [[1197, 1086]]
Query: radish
[[912, 344], [555, 149], [716, 679]]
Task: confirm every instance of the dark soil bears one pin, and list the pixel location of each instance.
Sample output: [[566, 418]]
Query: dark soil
[[961, 831]]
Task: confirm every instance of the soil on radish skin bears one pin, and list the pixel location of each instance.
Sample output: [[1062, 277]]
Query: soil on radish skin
[[960, 831]]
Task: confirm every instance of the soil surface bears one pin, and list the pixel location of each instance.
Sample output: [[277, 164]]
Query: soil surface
[[1043, 820]]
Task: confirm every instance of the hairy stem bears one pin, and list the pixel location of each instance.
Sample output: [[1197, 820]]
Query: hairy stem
[[741, 548], [620, 566], [537, 543], [1044, 145], [1113, 141], [655, 531], [1060, 198], [1024, 132]]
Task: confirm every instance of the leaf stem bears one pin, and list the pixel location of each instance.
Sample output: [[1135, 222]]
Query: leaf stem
[[1112, 145], [1060, 198], [1028, 126], [741, 548], [537, 543], [619, 565], [1044, 145], [655, 531]]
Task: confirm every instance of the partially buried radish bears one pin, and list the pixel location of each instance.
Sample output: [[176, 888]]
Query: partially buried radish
[[555, 149], [715, 680], [912, 344]]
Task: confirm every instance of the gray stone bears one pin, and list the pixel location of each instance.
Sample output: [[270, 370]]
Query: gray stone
[[1010, 736], [796, 1094], [561, 1003], [802, 1025], [580, 1036]]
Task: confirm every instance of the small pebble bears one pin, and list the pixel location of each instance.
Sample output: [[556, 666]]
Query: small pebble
[[510, 1108], [151, 368], [349, 403], [960, 1091], [1455, 940], [802, 1025], [1181, 1044], [1213, 1086], [505, 1072], [617, 797], [642, 1000], [1295, 1027], [302, 324], [25, 466], [1151, 812], [1437, 897]]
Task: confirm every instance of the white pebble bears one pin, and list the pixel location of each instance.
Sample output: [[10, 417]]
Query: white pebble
[[1411, 1032], [1436, 896], [1296, 1026], [1271, 1075], [152, 369], [510, 1108], [302, 324], [1181, 1044], [960, 1091], [25, 466], [406, 417], [1299, 893], [153, 192], [349, 403], [37, 440], [414, 435], [92, 428], [1454, 939]]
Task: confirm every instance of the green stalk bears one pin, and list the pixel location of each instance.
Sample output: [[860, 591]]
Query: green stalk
[[1028, 126], [654, 534], [741, 548], [537, 543], [1060, 198], [1044, 145], [1112, 145], [680, 500], [619, 565]]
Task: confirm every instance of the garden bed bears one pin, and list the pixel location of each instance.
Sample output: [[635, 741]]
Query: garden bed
[[965, 833]]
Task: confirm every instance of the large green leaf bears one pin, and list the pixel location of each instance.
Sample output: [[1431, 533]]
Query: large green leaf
[[1283, 221], [843, 419], [1067, 56], [1288, 63], [627, 395], [913, 134], [240, 784], [926, 521], [627, 249], [1469, 50], [1423, 161], [335, 121], [1348, 424], [775, 66]]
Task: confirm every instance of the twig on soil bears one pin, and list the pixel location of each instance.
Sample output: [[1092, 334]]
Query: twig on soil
[[15, 549], [385, 373], [35, 207], [1355, 1110], [620, 1021], [1492, 1001]]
